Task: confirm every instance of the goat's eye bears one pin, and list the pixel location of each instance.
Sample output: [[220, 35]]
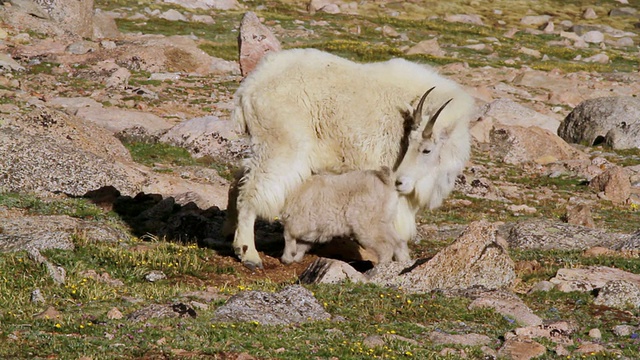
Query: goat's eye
[[426, 151]]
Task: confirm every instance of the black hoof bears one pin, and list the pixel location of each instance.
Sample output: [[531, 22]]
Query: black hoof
[[252, 266]]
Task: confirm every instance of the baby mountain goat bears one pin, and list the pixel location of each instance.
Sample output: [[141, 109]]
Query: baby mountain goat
[[359, 204], [309, 112]]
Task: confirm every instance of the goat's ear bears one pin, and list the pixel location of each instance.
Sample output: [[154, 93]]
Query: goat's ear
[[428, 130]]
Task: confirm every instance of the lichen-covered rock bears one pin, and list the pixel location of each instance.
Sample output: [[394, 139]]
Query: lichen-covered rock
[[590, 278], [476, 258], [50, 232], [42, 164], [591, 121], [549, 235], [293, 305], [619, 294]]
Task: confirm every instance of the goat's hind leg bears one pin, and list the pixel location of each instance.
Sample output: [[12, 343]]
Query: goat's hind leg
[[262, 193]]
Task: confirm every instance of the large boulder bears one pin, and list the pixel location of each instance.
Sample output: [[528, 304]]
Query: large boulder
[[516, 145], [48, 151], [614, 120], [207, 136], [255, 41], [75, 16], [554, 235], [159, 53], [509, 112], [476, 259], [293, 305]]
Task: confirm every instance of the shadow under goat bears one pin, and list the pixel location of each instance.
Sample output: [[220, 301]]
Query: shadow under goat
[[357, 204]]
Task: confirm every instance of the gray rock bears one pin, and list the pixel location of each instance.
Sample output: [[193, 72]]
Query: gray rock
[[558, 332], [630, 243], [590, 278], [155, 275], [440, 338], [255, 40], [597, 58], [74, 103], [207, 136], [207, 4], [330, 271], [57, 273], [116, 119], [205, 19], [159, 311], [593, 37], [42, 164], [36, 296], [624, 136], [118, 79], [589, 14], [7, 63], [535, 20], [591, 121], [293, 305], [542, 286], [82, 47], [465, 18], [373, 341], [619, 294], [624, 330], [549, 235], [429, 47], [476, 258], [173, 15], [44, 232], [623, 11], [507, 304]]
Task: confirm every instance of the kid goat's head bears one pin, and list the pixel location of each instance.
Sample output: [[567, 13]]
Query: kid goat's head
[[423, 155]]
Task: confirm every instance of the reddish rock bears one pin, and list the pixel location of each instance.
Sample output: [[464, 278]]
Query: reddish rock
[[615, 184], [255, 40], [580, 214], [517, 349]]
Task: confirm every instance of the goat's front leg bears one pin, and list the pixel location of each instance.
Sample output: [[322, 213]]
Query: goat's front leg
[[290, 249]]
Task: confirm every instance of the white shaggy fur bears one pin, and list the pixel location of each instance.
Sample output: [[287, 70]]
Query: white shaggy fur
[[357, 204], [308, 111]]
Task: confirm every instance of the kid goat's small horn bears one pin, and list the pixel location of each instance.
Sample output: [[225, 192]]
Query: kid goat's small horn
[[429, 128]]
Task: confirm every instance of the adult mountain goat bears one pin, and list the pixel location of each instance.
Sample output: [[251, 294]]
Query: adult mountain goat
[[308, 111]]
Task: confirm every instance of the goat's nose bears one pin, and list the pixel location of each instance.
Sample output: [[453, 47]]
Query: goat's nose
[[398, 182]]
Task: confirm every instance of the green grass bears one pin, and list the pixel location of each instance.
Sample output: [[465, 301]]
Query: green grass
[[74, 207]]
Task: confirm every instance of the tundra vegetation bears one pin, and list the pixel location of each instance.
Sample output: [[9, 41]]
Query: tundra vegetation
[[80, 327]]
